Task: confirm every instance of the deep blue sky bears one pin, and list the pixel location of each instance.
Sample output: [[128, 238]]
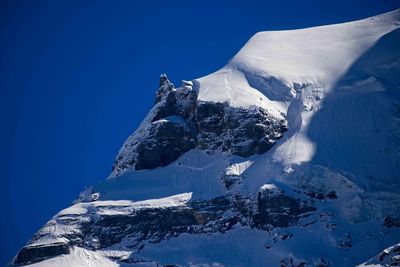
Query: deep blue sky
[[77, 77]]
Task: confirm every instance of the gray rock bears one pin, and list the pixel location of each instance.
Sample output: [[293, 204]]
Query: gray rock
[[32, 254], [241, 131], [139, 227], [168, 139], [391, 222], [275, 208], [179, 122]]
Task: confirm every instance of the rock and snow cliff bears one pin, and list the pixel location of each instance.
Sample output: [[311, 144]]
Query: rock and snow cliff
[[287, 156]]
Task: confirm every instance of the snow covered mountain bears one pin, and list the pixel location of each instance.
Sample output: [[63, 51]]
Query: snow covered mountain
[[287, 156]]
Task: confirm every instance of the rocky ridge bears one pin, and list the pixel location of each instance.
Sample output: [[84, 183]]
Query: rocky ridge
[[178, 123]]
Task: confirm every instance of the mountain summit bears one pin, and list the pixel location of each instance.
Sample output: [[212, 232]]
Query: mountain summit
[[287, 156]]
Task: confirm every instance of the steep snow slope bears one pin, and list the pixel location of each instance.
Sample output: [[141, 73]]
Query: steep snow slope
[[79, 257], [273, 62], [193, 172], [326, 192], [294, 70]]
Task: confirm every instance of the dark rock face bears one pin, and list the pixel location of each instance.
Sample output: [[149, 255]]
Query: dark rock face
[[135, 229], [391, 222], [391, 255], [291, 262], [170, 139], [169, 108], [170, 132], [155, 225], [32, 254], [345, 242], [165, 88], [278, 209], [241, 131], [320, 196], [178, 123]]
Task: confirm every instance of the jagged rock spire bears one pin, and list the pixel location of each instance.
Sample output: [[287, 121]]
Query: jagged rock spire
[[163, 79], [165, 88]]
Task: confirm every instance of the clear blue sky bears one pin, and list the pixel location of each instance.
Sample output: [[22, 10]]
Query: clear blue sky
[[77, 77]]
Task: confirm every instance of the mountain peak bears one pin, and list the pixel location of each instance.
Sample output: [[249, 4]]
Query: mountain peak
[[288, 155], [281, 59]]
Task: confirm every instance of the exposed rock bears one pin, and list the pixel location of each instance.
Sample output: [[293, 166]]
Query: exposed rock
[[156, 224], [170, 138], [168, 131], [391, 222], [292, 262], [164, 89], [277, 209], [100, 228], [388, 257], [345, 243], [231, 180], [321, 196], [32, 254], [241, 131], [178, 123]]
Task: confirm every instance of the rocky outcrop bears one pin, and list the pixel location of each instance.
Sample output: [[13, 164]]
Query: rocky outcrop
[[105, 226], [168, 131], [276, 208], [292, 262], [391, 222], [32, 254], [155, 224], [170, 138], [179, 122], [240, 131], [388, 257]]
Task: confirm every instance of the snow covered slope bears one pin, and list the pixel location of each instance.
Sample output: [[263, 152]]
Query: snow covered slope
[[273, 62], [287, 156], [295, 70]]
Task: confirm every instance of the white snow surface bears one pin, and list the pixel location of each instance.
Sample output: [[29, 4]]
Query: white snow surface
[[245, 246], [195, 171], [305, 56], [337, 85], [339, 88], [79, 257], [291, 71], [113, 207]]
